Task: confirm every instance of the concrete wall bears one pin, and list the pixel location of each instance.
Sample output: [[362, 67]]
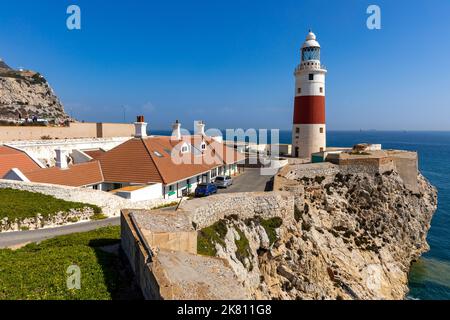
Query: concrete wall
[[75, 130], [149, 192], [139, 259]]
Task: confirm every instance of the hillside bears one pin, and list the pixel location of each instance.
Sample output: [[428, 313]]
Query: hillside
[[28, 94]]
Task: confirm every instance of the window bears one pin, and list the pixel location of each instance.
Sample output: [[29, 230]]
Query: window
[[95, 187], [321, 89], [297, 130], [184, 149], [321, 130], [299, 90], [170, 188], [203, 146], [311, 76]]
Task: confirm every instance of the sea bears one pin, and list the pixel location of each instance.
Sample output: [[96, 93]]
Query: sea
[[429, 278]]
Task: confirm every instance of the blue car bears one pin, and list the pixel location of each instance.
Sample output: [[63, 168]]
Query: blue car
[[205, 189]]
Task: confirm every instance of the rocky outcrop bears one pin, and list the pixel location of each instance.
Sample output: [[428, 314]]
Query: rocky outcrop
[[27, 93], [354, 237]]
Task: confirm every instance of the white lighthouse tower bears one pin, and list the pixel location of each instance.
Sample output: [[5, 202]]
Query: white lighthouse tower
[[309, 130]]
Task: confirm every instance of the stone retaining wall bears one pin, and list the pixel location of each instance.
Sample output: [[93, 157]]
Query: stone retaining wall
[[206, 211], [109, 203]]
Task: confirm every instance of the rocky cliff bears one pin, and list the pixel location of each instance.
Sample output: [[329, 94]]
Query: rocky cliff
[[27, 93], [354, 237]]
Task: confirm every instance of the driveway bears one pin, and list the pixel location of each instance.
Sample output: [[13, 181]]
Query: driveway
[[250, 180], [19, 238]]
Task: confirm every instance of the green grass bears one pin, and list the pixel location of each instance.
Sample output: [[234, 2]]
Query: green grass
[[166, 205], [19, 204], [243, 248], [208, 237], [38, 271], [270, 225], [98, 216]]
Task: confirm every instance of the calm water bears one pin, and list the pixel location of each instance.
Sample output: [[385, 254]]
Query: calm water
[[430, 277]]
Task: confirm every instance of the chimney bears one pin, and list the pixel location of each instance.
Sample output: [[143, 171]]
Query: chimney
[[199, 128], [140, 127], [176, 131], [61, 159]]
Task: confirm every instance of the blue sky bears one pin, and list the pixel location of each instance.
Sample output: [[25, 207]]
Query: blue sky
[[231, 62]]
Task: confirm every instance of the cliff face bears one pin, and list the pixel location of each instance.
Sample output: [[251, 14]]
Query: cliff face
[[354, 237], [27, 93]]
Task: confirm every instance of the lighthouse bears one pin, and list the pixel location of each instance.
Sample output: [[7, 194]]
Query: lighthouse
[[309, 130]]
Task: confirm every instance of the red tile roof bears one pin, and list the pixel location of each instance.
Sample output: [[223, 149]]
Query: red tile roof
[[159, 159], [78, 175], [94, 154], [11, 158]]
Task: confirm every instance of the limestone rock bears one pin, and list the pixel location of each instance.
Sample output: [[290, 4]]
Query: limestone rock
[[355, 238], [28, 93]]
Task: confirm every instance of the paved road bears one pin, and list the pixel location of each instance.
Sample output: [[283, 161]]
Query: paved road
[[249, 181], [15, 239]]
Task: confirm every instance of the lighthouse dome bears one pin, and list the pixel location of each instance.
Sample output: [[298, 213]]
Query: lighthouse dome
[[311, 41]]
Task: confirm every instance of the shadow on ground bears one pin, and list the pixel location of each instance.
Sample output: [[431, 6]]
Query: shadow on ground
[[118, 276]]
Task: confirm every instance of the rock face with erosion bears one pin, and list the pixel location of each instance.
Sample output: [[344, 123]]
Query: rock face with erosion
[[27, 93], [354, 236]]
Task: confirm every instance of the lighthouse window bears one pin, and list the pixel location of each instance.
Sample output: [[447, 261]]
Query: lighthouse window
[[321, 90], [299, 90], [311, 76], [321, 130], [297, 130]]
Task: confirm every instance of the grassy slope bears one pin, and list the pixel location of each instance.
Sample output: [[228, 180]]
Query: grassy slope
[[23, 204], [39, 271]]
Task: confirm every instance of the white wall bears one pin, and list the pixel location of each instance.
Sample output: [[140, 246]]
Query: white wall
[[44, 150], [149, 192]]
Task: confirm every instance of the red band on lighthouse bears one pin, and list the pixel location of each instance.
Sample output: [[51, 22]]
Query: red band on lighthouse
[[309, 110]]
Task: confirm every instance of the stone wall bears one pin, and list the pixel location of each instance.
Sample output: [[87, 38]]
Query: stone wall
[[310, 170], [109, 203], [206, 211]]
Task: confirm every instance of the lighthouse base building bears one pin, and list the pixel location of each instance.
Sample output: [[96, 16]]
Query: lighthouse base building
[[309, 126]]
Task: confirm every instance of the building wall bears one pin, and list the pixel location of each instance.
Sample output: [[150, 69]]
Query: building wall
[[149, 192], [75, 130], [44, 150]]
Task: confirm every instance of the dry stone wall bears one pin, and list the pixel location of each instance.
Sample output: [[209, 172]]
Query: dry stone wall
[[206, 211], [109, 203]]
